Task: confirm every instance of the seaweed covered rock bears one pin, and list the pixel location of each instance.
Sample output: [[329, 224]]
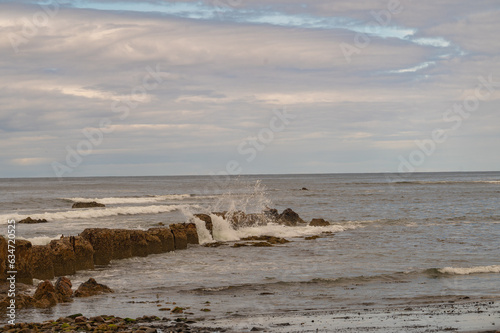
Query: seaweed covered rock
[[319, 223], [91, 288], [87, 205], [29, 220]]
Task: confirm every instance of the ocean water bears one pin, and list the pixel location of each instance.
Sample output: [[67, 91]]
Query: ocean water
[[393, 240]]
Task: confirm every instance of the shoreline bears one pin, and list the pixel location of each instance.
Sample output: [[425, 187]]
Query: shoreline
[[479, 315]]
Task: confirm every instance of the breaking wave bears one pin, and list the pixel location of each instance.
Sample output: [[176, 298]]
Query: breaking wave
[[99, 212], [469, 270], [132, 200]]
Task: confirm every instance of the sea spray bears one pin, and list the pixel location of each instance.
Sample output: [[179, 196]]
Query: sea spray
[[204, 235]]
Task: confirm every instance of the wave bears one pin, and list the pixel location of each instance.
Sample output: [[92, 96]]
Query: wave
[[447, 182], [469, 270], [99, 212], [224, 231], [132, 200], [40, 240]]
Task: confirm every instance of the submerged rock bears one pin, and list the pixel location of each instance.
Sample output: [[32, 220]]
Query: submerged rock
[[319, 223], [29, 220], [87, 205], [91, 288], [269, 239]]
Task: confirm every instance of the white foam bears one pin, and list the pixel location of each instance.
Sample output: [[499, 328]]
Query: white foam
[[96, 212], [470, 270], [204, 236], [223, 230], [132, 200], [40, 240]]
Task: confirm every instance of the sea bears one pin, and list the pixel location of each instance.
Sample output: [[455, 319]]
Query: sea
[[394, 240]]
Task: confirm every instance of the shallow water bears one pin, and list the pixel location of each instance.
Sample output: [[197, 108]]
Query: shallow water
[[395, 239]]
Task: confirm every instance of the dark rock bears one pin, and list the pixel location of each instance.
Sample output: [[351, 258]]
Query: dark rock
[[289, 218], [192, 234], [87, 204], [214, 244], [165, 236], [122, 244], [319, 223], [261, 244], [311, 237], [139, 243], [45, 295], [3, 258], [91, 288], [102, 242], [29, 220], [84, 253], [272, 214], [180, 237], [208, 222], [63, 289], [63, 256], [269, 239], [23, 264], [41, 263], [305, 189]]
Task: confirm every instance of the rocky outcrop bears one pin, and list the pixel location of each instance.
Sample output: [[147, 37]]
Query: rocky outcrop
[[3, 258], [102, 242], [290, 218], [63, 289], [45, 295], [180, 237], [29, 220], [319, 223], [41, 262], [23, 267], [208, 222], [63, 256], [84, 253], [87, 205], [91, 288], [166, 238], [269, 239], [192, 234]]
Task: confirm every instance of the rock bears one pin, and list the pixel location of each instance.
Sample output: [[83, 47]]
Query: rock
[[42, 267], [180, 237], [155, 245], [84, 253], [208, 222], [45, 295], [122, 245], [192, 234], [311, 237], [166, 238], [319, 223], [102, 242], [271, 214], [305, 189], [139, 243], [261, 244], [22, 301], [23, 267], [289, 218], [63, 289], [3, 258], [269, 239], [63, 256], [91, 288], [87, 204], [29, 220]]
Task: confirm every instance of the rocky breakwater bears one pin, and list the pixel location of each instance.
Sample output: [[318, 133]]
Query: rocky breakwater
[[96, 246]]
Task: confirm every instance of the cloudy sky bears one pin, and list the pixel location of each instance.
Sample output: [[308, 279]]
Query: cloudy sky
[[93, 88]]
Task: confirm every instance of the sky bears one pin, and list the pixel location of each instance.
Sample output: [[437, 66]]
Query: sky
[[132, 88]]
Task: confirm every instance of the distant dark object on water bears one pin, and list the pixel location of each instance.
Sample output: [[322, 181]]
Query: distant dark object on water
[[87, 204], [29, 220], [305, 189]]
